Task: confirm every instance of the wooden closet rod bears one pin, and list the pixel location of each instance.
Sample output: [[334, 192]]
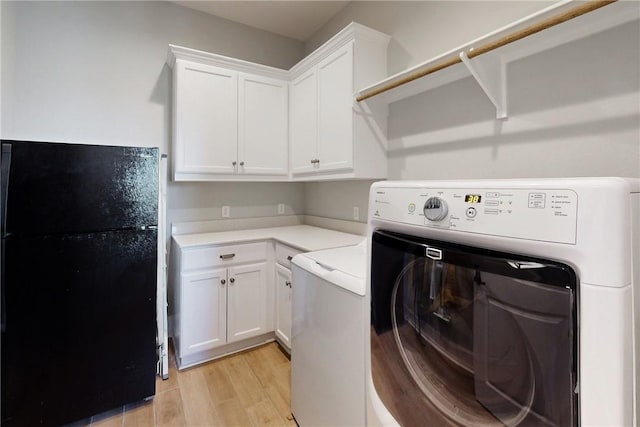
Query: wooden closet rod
[[548, 23]]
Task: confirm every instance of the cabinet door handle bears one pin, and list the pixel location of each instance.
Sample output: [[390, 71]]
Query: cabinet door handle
[[227, 256], [289, 258], [234, 163], [232, 280], [241, 163], [312, 161], [287, 283], [222, 282]]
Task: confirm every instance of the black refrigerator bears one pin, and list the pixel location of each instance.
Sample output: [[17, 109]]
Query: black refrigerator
[[79, 276]]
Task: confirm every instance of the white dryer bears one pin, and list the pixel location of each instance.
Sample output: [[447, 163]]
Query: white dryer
[[504, 302], [328, 337]]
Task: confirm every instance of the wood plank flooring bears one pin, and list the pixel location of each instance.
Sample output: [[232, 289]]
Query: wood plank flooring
[[251, 388]]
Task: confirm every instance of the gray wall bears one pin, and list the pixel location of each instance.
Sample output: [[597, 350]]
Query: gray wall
[[337, 199], [95, 72], [571, 113], [202, 201], [573, 110], [424, 29]]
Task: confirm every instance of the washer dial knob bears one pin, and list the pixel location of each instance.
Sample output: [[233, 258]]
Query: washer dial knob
[[435, 209]]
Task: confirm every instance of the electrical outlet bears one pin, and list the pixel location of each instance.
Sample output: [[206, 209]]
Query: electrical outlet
[[226, 211], [280, 208], [356, 213]]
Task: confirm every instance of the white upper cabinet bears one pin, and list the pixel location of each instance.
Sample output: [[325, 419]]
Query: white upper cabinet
[[303, 120], [329, 136], [206, 125], [321, 115], [230, 118], [262, 119], [335, 111], [238, 121]]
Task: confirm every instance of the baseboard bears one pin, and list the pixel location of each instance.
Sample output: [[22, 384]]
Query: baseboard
[[225, 350]]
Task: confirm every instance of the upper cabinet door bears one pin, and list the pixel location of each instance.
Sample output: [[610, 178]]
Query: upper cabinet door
[[262, 118], [335, 110], [206, 118], [303, 122]]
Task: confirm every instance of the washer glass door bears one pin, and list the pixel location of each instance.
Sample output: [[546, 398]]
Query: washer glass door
[[466, 336]]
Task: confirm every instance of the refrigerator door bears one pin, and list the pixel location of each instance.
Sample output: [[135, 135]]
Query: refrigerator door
[[80, 330], [52, 188]]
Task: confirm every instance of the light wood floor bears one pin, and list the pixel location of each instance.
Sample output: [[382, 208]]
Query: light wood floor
[[246, 389]]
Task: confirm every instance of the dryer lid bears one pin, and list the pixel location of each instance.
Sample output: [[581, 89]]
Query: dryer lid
[[349, 259], [335, 264]]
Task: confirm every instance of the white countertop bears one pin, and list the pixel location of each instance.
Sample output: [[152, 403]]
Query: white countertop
[[303, 237]]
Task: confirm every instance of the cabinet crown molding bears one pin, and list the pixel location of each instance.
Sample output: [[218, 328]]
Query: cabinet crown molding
[[353, 31], [184, 53]]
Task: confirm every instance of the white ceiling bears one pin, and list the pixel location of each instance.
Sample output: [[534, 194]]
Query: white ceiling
[[295, 19]]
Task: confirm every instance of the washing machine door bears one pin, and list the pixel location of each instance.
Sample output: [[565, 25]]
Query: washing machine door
[[466, 336]]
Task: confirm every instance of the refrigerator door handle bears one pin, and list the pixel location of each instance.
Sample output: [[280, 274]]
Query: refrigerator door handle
[[4, 189], [3, 303], [4, 185]]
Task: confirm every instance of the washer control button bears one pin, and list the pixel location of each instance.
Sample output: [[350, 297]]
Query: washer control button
[[471, 212], [412, 207]]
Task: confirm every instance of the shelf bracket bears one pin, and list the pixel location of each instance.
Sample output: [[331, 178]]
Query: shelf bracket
[[490, 73]]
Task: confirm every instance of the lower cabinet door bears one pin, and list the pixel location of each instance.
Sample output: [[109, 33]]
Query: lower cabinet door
[[247, 301], [203, 325], [283, 305]]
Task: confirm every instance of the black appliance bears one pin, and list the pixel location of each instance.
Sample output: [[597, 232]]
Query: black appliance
[[463, 335], [79, 277]]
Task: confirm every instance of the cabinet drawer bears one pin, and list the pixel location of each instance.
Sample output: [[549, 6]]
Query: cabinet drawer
[[284, 254], [215, 256]]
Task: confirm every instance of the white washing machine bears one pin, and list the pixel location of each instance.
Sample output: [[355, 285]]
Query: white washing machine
[[328, 337], [504, 302]]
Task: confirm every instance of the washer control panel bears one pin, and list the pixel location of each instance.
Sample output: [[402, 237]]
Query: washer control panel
[[536, 214]]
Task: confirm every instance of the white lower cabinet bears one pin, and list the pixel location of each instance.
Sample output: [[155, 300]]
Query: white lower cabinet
[[246, 301], [221, 300], [204, 323], [284, 286], [283, 305]]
